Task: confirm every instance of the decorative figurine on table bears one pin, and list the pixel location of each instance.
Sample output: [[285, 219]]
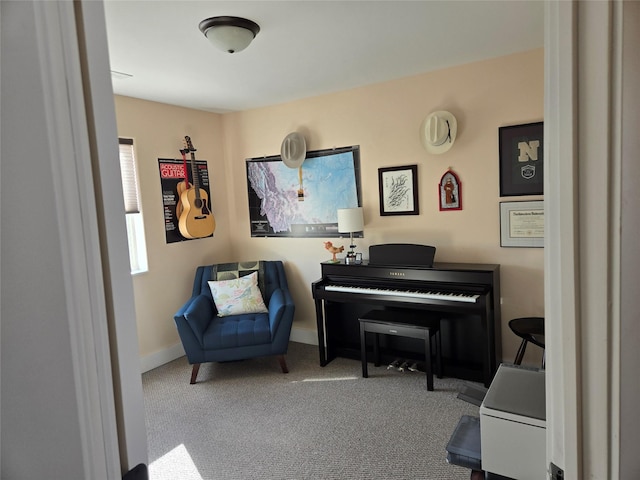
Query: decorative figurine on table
[[329, 246]]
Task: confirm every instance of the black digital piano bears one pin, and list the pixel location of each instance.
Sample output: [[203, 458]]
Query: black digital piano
[[465, 298]]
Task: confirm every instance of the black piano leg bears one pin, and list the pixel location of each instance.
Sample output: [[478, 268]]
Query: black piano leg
[[438, 353], [320, 327], [376, 349], [363, 351], [428, 365]]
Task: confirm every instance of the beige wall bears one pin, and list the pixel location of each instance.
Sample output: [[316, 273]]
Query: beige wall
[[158, 131], [384, 119]]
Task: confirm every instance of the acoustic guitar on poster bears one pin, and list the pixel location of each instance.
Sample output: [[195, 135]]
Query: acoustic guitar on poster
[[196, 219], [182, 186]]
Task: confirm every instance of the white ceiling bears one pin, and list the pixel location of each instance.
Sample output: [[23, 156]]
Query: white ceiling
[[304, 48]]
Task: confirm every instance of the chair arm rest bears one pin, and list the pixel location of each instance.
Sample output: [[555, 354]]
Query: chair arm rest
[[280, 304], [197, 313]]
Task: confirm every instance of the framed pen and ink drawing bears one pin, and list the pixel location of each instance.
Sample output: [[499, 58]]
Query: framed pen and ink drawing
[[398, 190]]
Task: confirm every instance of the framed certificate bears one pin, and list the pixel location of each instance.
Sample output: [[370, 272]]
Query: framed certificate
[[522, 224]]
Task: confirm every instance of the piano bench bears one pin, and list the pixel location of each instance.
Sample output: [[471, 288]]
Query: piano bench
[[403, 324]]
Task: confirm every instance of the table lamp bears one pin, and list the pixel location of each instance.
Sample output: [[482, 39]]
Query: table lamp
[[350, 220]]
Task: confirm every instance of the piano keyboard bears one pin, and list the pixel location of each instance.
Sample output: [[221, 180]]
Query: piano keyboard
[[452, 297]]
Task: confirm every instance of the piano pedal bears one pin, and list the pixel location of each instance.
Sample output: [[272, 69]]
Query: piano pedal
[[395, 364], [404, 366], [414, 367]]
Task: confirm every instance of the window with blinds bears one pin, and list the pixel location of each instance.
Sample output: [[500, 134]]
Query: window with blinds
[[129, 176], [131, 193]]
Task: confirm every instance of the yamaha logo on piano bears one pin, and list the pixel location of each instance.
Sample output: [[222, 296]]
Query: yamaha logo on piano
[[396, 274]]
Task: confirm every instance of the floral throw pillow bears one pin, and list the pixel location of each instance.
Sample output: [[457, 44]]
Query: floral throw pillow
[[237, 296]]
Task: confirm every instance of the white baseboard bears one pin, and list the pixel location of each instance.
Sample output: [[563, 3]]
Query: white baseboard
[[304, 335], [157, 359]]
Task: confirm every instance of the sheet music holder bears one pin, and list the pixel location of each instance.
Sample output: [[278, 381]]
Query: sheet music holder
[[405, 254]]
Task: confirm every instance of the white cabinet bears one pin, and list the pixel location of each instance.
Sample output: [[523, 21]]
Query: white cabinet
[[513, 424]]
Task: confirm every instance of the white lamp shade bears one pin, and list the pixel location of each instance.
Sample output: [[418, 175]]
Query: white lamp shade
[[230, 38], [350, 220]]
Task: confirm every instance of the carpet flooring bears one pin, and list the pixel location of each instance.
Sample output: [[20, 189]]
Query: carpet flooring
[[246, 420]]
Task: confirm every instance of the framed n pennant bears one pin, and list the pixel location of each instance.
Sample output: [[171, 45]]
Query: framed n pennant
[[521, 159]]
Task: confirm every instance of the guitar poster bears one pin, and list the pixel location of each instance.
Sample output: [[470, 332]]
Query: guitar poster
[[172, 174]]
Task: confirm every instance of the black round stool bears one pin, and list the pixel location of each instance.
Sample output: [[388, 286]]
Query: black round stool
[[530, 329]]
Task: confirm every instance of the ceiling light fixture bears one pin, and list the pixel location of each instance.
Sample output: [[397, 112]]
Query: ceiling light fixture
[[229, 34]]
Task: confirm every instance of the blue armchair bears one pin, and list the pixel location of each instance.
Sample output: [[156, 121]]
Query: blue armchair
[[207, 337]]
